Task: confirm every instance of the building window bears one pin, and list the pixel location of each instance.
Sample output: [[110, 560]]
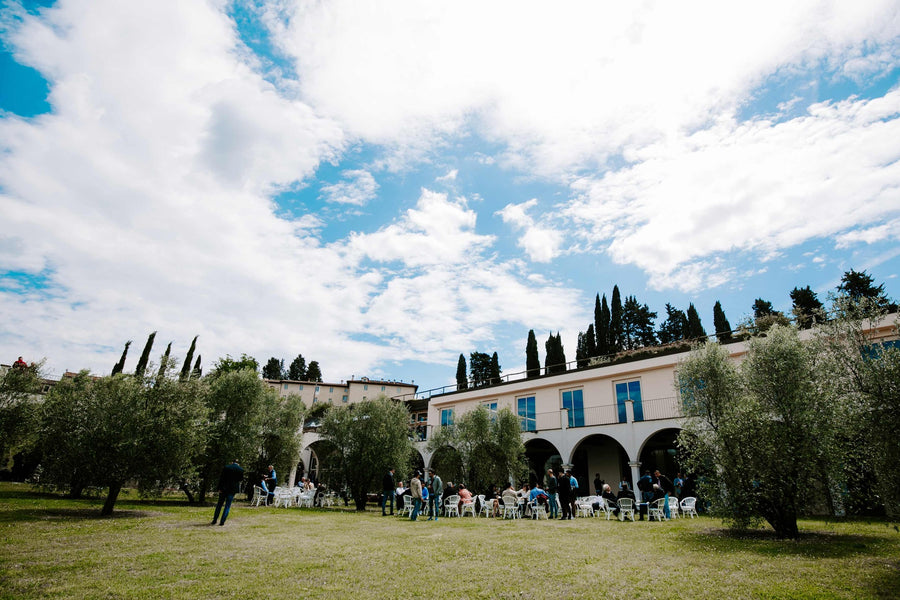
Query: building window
[[447, 417], [344, 398], [365, 386], [317, 388], [629, 390], [491, 406], [525, 410], [573, 402], [301, 386], [330, 390], [382, 388], [285, 386]]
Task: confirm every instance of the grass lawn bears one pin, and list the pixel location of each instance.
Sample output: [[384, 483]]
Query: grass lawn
[[58, 548]]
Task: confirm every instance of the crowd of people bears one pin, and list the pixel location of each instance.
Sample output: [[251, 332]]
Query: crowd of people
[[558, 494]]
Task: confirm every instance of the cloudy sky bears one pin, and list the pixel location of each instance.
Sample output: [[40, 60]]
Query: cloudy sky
[[383, 186]]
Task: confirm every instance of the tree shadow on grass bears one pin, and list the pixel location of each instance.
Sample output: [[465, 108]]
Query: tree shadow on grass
[[23, 515], [811, 544]]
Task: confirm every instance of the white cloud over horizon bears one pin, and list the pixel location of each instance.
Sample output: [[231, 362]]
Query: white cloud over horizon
[[145, 199]]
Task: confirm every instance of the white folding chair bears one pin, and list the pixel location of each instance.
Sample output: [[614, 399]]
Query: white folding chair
[[626, 509], [658, 509], [689, 507], [468, 507], [259, 496], [509, 507], [451, 506], [673, 507]]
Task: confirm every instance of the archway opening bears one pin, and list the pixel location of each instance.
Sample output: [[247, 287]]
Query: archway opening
[[540, 455], [599, 459], [660, 451]]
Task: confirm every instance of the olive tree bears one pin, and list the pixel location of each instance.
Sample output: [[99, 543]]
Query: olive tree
[[864, 370], [488, 444], [107, 431], [19, 387], [766, 433], [369, 437]]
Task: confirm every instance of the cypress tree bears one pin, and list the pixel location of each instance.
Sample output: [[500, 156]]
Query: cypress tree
[[581, 351], [163, 364], [555, 361], [723, 327], [532, 360], [603, 347], [197, 372], [145, 357], [590, 342], [186, 367], [462, 380], [616, 333], [313, 373], [695, 328], [119, 366], [495, 369]]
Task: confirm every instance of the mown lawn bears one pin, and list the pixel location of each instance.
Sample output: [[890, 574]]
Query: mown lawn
[[58, 548]]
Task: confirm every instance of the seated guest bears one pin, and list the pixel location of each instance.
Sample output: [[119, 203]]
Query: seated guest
[[491, 499], [270, 494], [625, 492], [465, 497], [610, 498]]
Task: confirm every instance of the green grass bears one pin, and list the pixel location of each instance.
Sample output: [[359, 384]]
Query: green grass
[[58, 548]]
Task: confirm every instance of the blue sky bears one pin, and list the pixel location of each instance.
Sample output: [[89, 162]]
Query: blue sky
[[383, 188]]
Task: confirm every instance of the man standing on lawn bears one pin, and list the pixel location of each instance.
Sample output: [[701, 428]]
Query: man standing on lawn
[[229, 485], [415, 487], [434, 499], [387, 490]]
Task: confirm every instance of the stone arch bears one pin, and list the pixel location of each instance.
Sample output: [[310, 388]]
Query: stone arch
[[541, 455], [320, 467], [599, 456], [660, 451], [446, 463]]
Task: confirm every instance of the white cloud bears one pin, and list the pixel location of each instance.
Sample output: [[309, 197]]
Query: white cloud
[[450, 176], [604, 77], [753, 187], [357, 188], [540, 242]]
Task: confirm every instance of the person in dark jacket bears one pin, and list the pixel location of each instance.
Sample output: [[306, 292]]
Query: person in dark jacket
[[388, 487], [564, 484], [229, 485], [552, 489]]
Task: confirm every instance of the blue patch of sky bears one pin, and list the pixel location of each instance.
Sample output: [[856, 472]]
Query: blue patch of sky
[[787, 94], [255, 35], [23, 283], [23, 90]]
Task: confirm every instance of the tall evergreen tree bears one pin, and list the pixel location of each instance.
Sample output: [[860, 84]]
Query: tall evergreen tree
[[637, 324], [601, 326], [197, 372], [145, 357], [695, 328], [859, 284], [532, 360], [164, 363], [723, 327], [186, 367], [313, 372], [274, 369], [119, 366], [603, 339], [297, 369], [806, 307], [555, 360], [590, 342], [581, 353], [675, 327], [616, 331], [762, 308], [462, 379], [479, 368], [495, 369]]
